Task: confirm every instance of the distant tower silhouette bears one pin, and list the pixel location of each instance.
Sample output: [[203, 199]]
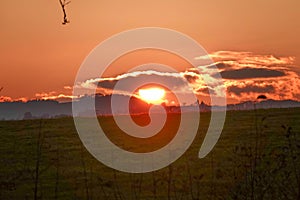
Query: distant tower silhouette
[[28, 115]]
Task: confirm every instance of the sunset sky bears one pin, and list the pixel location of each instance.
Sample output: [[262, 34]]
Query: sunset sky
[[255, 44]]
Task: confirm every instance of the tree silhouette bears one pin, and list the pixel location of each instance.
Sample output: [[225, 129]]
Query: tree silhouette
[[261, 97], [63, 4]]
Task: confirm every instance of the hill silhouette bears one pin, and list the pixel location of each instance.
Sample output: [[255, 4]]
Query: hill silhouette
[[53, 109]]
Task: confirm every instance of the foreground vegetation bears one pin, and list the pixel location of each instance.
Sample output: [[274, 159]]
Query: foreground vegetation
[[257, 157]]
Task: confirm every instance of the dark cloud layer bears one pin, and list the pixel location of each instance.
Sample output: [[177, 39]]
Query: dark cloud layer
[[220, 65], [247, 73], [108, 84], [129, 82], [250, 88], [191, 78]]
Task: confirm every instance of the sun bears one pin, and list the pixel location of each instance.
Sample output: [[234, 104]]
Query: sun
[[153, 95]]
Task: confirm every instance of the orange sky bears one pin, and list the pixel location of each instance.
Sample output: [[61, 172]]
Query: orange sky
[[38, 54]]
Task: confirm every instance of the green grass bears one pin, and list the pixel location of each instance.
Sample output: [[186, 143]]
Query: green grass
[[233, 170]]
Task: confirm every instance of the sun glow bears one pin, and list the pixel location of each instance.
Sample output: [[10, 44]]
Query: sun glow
[[152, 95]]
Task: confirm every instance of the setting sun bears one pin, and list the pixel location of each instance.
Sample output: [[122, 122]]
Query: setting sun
[[152, 95]]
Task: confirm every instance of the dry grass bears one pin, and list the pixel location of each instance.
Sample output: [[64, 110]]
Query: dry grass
[[67, 171]]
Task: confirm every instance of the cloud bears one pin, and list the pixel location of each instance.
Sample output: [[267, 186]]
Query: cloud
[[9, 99], [247, 73], [108, 84], [53, 95], [191, 78], [132, 79], [245, 76], [250, 89], [239, 57], [5, 99], [180, 83], [68, 87], [221, 65]]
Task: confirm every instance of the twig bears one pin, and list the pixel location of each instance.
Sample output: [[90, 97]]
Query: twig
[[63, 4], [190, 178], [37, 166], [119, 195], [86, 184], [154, 183], [169, 181], [57, 174], [212, 186], [292, 156]]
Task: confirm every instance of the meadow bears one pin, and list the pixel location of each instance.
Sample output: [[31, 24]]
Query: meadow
[[256, 157]]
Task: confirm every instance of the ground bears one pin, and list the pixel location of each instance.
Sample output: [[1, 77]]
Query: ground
[[256, 157]]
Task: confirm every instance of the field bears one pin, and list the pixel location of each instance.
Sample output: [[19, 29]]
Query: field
[[256, 157]]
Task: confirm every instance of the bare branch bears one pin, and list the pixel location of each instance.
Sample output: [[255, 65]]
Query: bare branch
[[1, 89], [63, 4]]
